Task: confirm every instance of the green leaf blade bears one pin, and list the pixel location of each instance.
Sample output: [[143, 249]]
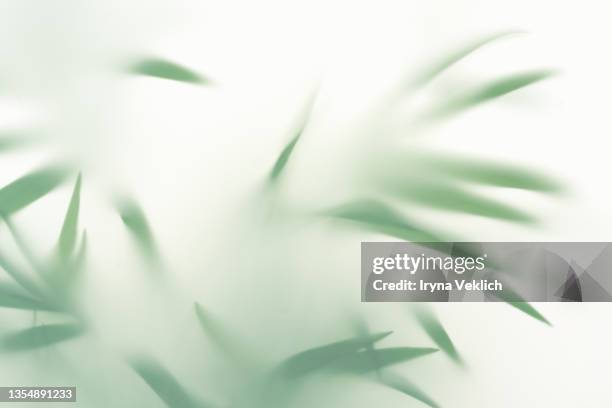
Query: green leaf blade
[[379, 217], [436, 332], [164, 384], [452, 58], [29, 188], [406, 387], [318, 357], [40, 336], [14, 298], [68, 234], [165, 69], [488, 92], [367, 361]]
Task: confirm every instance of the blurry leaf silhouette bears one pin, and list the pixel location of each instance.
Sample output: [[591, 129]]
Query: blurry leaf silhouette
[[455, 56], [12, 297], [135, 220], [29, 188], [23, 246], [446, 196], [40, 336], [404, 386], [487, 173], [319, 357], [10, 141], [283, 158], [379, 217], [514, 299], [486, 93], [223, 340], [164, 384], [285, 154], [165, 69], [363, 362], [434, 329], [67, 238], [21, 277]]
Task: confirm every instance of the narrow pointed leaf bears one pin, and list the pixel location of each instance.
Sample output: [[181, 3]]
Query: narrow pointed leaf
[[219, 335], [404, 386], [379, 217], [165, 69], [488, 92], [67, 238], [135, 220], [446, 196], [283, 158], [515, 300], [436, 332], [29, 188], [285, 154], [40, 336], [14, 298], [24, 247], [319, 357], [489, 173], [363, 362], [19, 276], [455, 56], [164, 384]]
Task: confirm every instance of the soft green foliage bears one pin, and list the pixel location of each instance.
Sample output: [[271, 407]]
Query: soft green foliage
[[30, 187], [40, 336], [322, 356], [434, 329], [486, 173], [164, 384], [68, 235], [450, 197], [401, 384], [515, 300], [165, 69], [379, 217], [367, 361], [135, 220], [487, 92], [11, 296], [453, 57], [283, 158]]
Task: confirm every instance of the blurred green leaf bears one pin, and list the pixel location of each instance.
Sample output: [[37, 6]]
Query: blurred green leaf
[[488, 92], [67, 238], [514, 299], [11, 141], [285, 154], [19, 276], [455, 56], [446, 196], [40, 336], [379, 217], [319, 357], [283, 158], [162, 68], [434, 329], [23, 246], [164, 384], [29, 188], [219, 335], [135, 220], [488, 173], [366, 361], [404, 386], [12, 297]]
